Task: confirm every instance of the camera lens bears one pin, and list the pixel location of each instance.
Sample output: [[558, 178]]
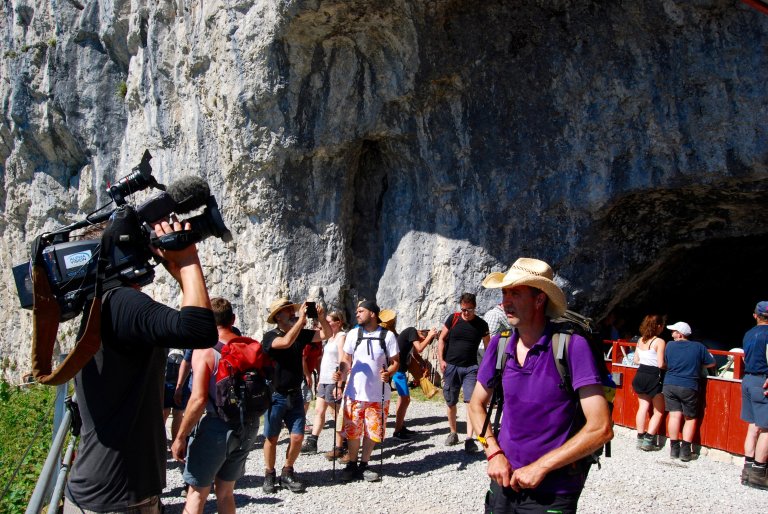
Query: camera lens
[[139, 179]]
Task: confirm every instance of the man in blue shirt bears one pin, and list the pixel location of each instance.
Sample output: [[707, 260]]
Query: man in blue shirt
[[684, 360], [754, 400]]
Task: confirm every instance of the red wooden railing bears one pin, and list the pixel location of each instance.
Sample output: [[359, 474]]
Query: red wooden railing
[[719, 423]]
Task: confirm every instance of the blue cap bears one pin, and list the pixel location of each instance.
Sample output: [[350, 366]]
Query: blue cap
[[761, 309]]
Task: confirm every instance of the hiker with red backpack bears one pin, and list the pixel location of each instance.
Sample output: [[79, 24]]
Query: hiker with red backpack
[[285, 345], [218, 444], [535, 461], [457, 353]]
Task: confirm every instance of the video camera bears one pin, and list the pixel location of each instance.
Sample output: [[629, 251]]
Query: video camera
[[71, 266]]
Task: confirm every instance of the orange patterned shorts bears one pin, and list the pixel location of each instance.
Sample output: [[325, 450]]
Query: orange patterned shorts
[[359, 415]]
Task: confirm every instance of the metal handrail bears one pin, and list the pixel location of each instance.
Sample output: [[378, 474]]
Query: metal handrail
[[45, 485]]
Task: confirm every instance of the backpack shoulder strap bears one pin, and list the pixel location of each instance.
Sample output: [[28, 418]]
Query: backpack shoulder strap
[[501, 354], [560, 343], [496, 395], [359, 338], [456, 318], [382, 338]]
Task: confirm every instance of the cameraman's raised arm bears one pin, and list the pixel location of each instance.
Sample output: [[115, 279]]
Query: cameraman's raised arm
[[194, 326], [184, 266]]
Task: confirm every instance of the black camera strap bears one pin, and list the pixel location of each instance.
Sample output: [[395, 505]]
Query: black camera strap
[[46, 313]]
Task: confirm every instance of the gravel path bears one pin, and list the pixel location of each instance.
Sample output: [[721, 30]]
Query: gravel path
[[424, 476]]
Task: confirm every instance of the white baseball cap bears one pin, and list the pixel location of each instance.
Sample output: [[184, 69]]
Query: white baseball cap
[[682, 327]]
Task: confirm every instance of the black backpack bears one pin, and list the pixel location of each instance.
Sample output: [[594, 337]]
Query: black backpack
[[565, 326]]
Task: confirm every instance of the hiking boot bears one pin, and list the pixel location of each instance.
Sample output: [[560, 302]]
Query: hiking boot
[[270, 483], [452, 439], [649, 444], [336, 453], [745, 473], [310, 445], [401, 436], [758, 477], [470, 446], [685, 452], [407, 431], [674, 449], [347, 458], [640, 440], [369, 475], [290, 481], [350, 472]]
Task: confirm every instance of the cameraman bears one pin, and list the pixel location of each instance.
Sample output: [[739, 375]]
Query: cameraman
[[121, 457]]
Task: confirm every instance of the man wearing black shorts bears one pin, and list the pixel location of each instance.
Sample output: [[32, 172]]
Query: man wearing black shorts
[[684, 360], [457, 352]]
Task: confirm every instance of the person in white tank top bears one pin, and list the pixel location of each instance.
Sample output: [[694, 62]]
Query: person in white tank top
[[326, 394], [648, 381]]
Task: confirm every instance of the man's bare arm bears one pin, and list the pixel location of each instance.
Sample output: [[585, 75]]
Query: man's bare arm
[[596, 432]]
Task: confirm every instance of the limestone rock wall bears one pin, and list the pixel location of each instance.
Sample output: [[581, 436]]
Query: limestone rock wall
[[391, 149]]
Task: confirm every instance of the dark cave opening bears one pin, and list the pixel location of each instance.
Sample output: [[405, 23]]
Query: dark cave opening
[[714, 287]]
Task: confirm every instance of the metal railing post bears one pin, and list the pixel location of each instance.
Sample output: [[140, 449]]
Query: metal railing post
[[38, 498]]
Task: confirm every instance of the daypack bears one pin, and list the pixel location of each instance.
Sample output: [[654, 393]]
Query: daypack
[[244, 375], [568, 324]]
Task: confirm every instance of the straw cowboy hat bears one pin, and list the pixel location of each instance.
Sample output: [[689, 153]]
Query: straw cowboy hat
[[388, 319], [532, 273], [277, 306]]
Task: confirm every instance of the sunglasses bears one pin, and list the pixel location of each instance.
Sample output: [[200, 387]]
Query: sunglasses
[[467, 311]]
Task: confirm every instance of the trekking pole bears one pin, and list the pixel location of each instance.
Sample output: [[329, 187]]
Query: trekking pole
[[335, 421], [383, 428]]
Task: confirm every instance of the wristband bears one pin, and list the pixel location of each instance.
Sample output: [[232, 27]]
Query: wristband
[[497, 452]]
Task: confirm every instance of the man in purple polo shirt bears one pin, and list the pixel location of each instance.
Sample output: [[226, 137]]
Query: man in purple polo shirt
[[534, 463]]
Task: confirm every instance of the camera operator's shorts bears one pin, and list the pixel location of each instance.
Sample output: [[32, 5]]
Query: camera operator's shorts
[[456, 379], [285, 408], [325, 391], [754, 403], [678, 398], [359, 416], [217, 451], [400, 382], [504, 499]]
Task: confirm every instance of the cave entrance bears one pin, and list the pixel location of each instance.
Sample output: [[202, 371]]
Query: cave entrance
[[714, 287]]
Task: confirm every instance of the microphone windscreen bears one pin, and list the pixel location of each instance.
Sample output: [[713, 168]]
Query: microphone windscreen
[[189, 193]]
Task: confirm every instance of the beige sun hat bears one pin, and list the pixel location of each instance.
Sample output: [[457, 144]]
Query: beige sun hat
[[278, 305], [388, 319], [532, 273]]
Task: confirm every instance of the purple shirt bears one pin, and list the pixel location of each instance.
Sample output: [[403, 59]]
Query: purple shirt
[[537, 413]]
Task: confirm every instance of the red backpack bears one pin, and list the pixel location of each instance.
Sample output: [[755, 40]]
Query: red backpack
[[243, 381]]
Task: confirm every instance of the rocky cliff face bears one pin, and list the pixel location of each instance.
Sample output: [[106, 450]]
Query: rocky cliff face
[[401, 149]]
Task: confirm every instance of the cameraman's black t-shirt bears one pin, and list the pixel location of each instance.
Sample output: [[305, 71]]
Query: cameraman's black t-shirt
[[464, 340], [121, 456], [289, 372], [405, 344]]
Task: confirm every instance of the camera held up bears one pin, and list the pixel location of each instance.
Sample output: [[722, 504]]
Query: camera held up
[[71, 266]]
